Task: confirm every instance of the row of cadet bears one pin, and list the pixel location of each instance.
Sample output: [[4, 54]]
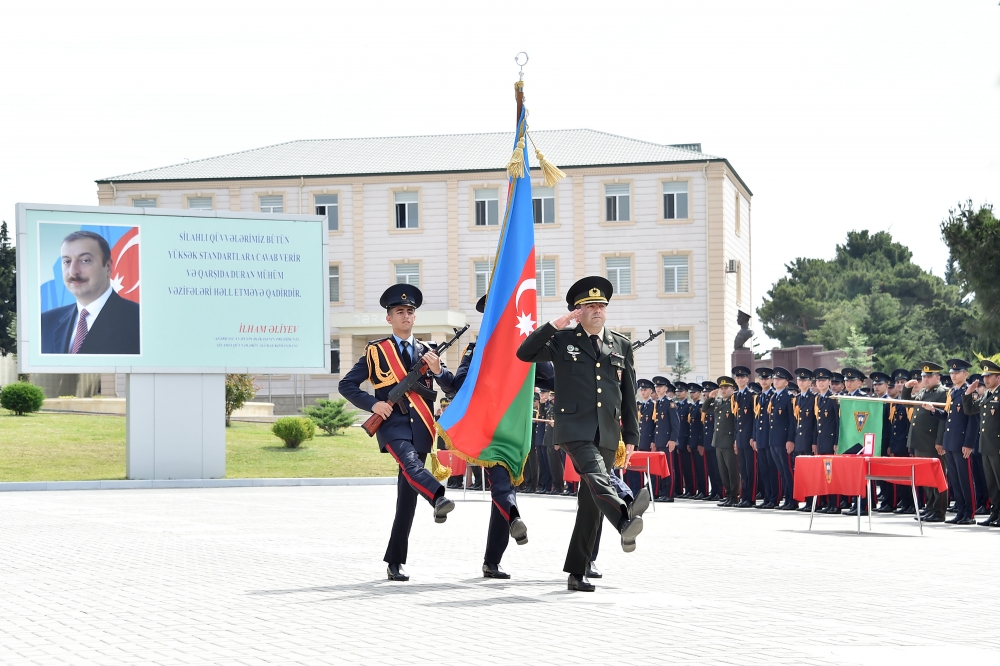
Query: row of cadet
[[735, 441]]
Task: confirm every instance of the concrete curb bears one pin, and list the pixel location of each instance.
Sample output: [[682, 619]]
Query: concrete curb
[[120, 484]]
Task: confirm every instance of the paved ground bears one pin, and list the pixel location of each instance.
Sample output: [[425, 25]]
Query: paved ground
[[294, 576]]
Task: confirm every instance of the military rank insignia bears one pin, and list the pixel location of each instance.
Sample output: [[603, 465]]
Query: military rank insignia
[[860, 419]]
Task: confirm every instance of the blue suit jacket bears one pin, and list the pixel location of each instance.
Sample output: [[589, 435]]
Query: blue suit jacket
[[398, 426], [115, 331], [780, 420], [668, 423], [647, 426], [761, 426], [827, 423], [805, 425], [744, 418], [900, 420], [956, 431], [684, 433]]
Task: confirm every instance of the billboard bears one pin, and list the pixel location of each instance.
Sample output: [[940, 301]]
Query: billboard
[[154, 290]]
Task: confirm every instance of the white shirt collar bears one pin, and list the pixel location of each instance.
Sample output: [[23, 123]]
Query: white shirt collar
[[94, 307]]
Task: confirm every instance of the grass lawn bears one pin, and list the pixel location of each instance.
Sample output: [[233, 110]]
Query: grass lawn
[[77, 447]]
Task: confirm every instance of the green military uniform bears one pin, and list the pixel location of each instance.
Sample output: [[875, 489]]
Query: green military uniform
[[724, 441], [988, 408], [926, 434], [594, 408]]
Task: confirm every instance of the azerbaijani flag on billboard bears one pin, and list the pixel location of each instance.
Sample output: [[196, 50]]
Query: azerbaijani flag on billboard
[[489, 420], [861, 425]]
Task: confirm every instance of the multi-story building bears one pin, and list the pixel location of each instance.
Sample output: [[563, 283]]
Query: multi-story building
[[668, 225]]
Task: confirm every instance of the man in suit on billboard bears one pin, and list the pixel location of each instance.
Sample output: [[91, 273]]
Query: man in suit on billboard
[[101, 321]]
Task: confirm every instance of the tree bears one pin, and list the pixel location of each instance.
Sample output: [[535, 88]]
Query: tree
[[330, 415], [239, 390], [973, 239], [856, 353], [680, 367], [8, 293], [872, 286]]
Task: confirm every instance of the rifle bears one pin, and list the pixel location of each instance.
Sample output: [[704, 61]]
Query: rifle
[[397, 396], [643, 343]]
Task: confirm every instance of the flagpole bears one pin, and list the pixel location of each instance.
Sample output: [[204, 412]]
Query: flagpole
[[889, 400]]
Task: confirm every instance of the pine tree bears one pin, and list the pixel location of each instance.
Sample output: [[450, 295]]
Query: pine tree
[[856, 352], [8, 293], [680, 367]]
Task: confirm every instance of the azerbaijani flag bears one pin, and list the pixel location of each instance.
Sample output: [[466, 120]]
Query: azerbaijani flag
[[489, 420], [861, 425]]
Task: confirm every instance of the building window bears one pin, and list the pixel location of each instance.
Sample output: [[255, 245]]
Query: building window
[[408, 274], [545, 277], [675, 201], [144, 203], [334, 283], [616, 202], [619, 273], [487, 207], [737, 213], [482, 270], [543, 202], [335, 356], [272, 204], [200, 203], [406, 210], [677, 343], [326, 204], [676, 274]]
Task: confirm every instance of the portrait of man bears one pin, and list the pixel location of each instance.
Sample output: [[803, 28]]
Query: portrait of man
[[99, 321]]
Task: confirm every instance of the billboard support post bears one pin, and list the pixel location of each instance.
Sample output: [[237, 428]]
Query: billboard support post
[[175, 426]]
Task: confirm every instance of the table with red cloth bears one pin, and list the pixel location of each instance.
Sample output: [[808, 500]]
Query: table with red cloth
[[449, 459], [656, 461], [845, 475]]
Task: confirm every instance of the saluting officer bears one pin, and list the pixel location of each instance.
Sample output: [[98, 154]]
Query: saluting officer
[[746, 455], [959, 443], [407, 437], [595, 408], [804, 407], [665, 435], [781, 434], [927, 432], [711, 391], [987, 406]]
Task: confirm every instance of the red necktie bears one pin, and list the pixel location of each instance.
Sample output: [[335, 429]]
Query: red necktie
[[81, 332]]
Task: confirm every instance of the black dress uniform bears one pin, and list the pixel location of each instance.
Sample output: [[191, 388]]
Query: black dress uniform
[[781, 430], [827, 413], [684, 482], [696, 443], [926, 434], [988, 408], [899, 419], [762, 438], [959, 442], [668, 426], [647, 431], [404, 436], [745, 455], [594, 409], [803, 407], [711, 462]]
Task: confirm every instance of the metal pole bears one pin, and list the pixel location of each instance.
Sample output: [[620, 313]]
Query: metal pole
[[859, 514], [812, 513], [916, 504]]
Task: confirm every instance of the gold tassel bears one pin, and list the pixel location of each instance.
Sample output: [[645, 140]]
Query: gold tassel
[[550, 171], [515, 168], [439, 471], [620, 454]]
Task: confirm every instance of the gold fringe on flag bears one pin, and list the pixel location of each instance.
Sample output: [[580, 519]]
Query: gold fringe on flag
[[550, 171], [439, 471], [515, 168]]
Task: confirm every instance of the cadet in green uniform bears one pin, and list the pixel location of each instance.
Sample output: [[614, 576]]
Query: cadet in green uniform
[[724, 440], [988, 408], [594, 408], [927, 432]]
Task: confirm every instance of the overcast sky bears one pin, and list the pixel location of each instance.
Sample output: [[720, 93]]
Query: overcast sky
[[838, 115]]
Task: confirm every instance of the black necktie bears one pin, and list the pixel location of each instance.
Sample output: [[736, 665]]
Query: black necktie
[[597, 344], [407, 360]]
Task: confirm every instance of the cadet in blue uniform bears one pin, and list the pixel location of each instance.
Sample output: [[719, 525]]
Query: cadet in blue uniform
[[887, 490], [686, 477], [781, 433], [647, 428], [899, 418], [853, 383], [804, 406], [746, 455], [665, 435], [827, 411], [959, 443], [762, 440], [696, 442], [405, 436], [980, 492], [710, 390]]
